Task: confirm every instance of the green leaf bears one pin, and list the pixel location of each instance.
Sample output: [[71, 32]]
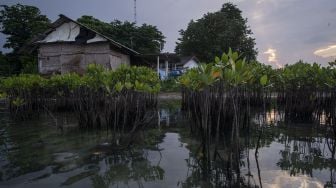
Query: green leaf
[[225, 58], [263, 80], [217, 60], [128, 85], [235, 56], [118, 87], [230, 52]]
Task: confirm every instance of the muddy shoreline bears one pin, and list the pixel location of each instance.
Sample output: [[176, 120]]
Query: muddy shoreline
[[170, 95]]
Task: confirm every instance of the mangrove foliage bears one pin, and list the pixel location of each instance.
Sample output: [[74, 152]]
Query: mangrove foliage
[[221, 97], [114, 99]]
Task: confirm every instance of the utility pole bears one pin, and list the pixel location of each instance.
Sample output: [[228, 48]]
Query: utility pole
[[158, 61], [135, 13]]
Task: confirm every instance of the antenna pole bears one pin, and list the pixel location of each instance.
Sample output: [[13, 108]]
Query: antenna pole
[[135, 13]]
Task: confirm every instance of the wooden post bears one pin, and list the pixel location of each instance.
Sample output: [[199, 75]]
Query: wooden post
[[39, 64], [166, 62], [158, 66]]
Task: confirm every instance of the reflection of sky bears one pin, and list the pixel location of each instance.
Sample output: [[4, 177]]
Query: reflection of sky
[[169, 117], [278, 178], [273, 177], [324, 120], [164, 113], [274, 117], [173, 162]]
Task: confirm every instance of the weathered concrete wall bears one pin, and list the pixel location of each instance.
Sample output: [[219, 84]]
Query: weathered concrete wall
[[62, 58]]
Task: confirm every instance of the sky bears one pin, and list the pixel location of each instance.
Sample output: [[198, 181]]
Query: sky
[[285, 30]]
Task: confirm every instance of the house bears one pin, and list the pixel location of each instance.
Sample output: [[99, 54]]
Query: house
[[189, 62], [168, 64], [69, 46]]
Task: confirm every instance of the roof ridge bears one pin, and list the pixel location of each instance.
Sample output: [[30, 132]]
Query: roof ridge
[[104, 36]]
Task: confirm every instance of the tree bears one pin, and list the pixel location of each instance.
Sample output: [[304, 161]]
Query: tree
[[332, 63], [145, 39], [215, 33], [21, 23]]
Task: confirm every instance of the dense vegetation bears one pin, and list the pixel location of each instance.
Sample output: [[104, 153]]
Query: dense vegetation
[[112, 99], [170, 85], [20, 24], [230, 82], [215, 33], [145, 39], [220, 97]]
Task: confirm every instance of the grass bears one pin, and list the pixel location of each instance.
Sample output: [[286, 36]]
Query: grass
[[170, 85]]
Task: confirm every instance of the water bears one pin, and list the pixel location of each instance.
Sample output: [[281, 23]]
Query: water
[[38, 153]]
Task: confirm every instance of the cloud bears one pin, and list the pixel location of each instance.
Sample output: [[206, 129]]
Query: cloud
[[279, 178], [260, 1], [264, 1], [257, 15], [329, 51], [272, 57]]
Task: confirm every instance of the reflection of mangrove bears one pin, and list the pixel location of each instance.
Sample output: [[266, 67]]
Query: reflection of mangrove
[[305, 150], [223, 166], [302, 155], [16, 149], [169, 113], [219, 162], [218, 114], [229, 166], [112, 164], [226, 117], [218, 109], [125, 167], [51, 149]]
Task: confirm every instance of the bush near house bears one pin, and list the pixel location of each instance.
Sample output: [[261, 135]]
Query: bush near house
[[170, 85]]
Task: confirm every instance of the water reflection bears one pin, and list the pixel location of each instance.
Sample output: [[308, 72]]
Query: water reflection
[[296, 152], [276, 117], [286, 158], [164, 154], [170, 113]]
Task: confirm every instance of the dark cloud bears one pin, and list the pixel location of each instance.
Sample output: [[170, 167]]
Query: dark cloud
[[320, 39]]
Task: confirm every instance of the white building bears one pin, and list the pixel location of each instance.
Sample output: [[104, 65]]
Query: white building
[[169, 64]]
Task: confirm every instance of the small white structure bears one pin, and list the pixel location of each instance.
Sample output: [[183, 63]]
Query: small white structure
[[173, 65], [190, 62]]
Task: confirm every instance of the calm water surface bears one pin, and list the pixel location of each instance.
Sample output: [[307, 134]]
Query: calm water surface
[[38, 153]]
